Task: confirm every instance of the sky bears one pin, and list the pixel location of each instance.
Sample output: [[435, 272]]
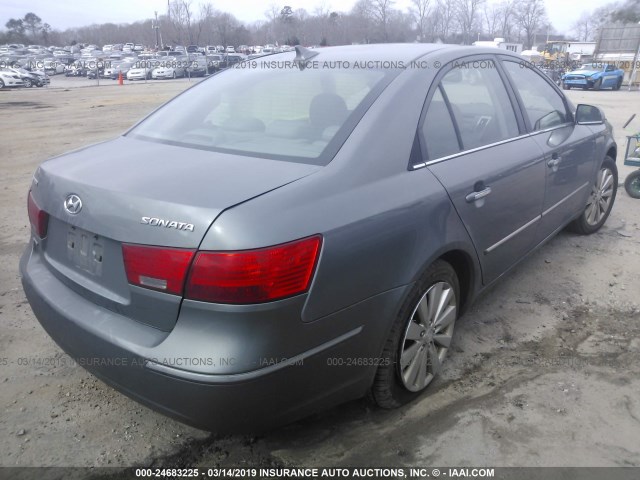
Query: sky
[[62, 15]]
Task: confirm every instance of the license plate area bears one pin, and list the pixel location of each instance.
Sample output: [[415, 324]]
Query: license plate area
[[85, 250]]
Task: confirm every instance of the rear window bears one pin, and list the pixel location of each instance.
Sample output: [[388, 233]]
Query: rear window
[[275, 111]]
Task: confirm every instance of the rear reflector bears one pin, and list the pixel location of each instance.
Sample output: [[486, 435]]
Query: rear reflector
[[39, 218], [157, 268], [254, 276]]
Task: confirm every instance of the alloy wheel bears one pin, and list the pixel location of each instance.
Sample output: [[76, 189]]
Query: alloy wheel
[[600, 198], [427, 336]]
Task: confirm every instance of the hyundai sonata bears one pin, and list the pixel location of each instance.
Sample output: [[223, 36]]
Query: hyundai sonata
[[306, 228]]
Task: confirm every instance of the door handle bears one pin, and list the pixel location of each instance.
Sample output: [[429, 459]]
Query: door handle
[[475, 196]]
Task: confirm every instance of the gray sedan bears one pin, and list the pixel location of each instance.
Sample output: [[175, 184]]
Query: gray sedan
[[304, 230]]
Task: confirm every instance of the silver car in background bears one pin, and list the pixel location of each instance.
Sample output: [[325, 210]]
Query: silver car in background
[[278, 240]]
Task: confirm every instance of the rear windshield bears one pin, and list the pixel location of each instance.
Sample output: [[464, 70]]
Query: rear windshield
[[269, 109]]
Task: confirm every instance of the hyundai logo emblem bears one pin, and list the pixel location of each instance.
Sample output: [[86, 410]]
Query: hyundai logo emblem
[[73, 204]]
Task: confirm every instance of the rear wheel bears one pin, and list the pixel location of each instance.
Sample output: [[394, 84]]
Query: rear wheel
[[1, 84], [600, 201], [632, 184], [419, 338]]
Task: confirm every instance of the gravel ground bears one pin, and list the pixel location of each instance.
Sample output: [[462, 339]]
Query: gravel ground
[[545, 369]]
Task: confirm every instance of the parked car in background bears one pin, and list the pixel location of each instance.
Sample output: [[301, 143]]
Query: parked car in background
[[595, 76], [76, 70], [273, 242], [43, 78], [29, 79], [197, 67], [10, 80], [167, 70], [116, 69], [53, 67], [140, 72], [214, 61], [230, 49], [192, 49]]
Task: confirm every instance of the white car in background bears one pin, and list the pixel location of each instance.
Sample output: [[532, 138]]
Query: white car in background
[[139, 73], [10, 80], [167, 71]]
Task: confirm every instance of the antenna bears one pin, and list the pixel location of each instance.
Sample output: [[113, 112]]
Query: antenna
[[303, 55]]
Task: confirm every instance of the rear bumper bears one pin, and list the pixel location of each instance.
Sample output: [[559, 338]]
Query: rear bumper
[[122, 352]]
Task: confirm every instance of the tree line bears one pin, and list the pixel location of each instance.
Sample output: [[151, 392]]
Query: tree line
[[369, 21]]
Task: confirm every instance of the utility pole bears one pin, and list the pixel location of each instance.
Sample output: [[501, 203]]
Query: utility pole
[[156, 27]]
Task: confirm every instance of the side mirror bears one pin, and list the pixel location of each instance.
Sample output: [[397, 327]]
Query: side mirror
[[589, 115]]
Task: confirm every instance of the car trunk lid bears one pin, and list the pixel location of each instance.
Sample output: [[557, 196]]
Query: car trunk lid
[[140, 192]]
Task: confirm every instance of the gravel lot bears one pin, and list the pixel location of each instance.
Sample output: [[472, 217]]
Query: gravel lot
[[545, 370]]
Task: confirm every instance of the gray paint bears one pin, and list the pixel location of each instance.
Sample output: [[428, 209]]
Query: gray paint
[[382, 221]]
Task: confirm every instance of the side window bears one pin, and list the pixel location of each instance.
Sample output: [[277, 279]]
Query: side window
[[544, 106], [438, 130], [609, 68], [479, 103]]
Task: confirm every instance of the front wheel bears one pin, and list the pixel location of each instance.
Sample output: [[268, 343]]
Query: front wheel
[[28, 83], [419, 338], [565, 86], [618, 84], [600, 201], [598, 84], [632, 184]]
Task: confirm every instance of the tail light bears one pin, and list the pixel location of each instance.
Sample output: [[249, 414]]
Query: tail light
[[254, 276], [38, 218], [157, 268]]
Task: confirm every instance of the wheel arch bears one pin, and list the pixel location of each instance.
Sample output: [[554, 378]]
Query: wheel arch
[[464, 267]]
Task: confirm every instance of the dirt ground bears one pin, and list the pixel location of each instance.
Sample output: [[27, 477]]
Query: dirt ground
[[545, 370]]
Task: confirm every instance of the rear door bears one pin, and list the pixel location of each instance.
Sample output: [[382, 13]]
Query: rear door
[[568, 148], [494, 174]]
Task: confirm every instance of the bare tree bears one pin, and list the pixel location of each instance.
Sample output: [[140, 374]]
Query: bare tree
[[492, 15], [466, 12], [507, 12], [180, 15], [420, 13], [33, 23], [584, 27], [225, 26], [444, 19], [381, 11], [530, 15]]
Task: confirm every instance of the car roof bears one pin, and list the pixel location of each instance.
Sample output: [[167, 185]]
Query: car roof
[[405, 52]]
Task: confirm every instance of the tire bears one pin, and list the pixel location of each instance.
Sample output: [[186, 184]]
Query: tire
[[395, 384], [565, 86], [598, 84], [632, 184], [597, 209], [1, 84], [174, 75], [28, 83], [618, 85]]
